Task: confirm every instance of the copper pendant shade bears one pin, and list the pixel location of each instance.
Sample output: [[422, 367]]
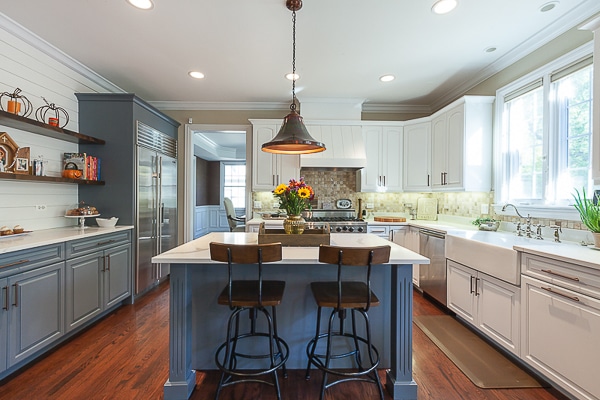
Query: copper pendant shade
[[293, 137]]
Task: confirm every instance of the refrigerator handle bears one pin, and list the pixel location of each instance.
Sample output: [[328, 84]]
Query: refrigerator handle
[[159, 205]]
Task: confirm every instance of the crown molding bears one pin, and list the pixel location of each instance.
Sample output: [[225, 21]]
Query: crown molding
[[51, 51], [396, 108], [560, 26], [215, 106]]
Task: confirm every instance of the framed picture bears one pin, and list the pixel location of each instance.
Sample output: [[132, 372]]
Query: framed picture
[[22, 161]]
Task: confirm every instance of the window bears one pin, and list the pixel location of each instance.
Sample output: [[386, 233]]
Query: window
[[544, 132], [234, 183]]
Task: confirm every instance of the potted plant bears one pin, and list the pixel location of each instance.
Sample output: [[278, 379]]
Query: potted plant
[[487, 224], [589, 212]]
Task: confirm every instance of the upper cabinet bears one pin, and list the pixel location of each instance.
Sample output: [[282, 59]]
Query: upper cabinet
[[383, 171], [461, 148], [269, 170], [452, 150], [417, 156]]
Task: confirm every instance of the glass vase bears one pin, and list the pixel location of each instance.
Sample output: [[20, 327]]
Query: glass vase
[[294, 224]]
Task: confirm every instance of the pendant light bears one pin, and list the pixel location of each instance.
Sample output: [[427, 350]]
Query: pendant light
[[293, 137]]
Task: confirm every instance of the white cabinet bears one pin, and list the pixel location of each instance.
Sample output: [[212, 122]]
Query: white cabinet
[[383, 172], [269, 170], [416, 170], [561, 323], [379, 230], [461, 145], [489, 304]]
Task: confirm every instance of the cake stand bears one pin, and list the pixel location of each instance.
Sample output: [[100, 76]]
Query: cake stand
[[81, 223]]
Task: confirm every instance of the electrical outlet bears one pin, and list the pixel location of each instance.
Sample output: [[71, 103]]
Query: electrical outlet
[[257, 204], [408, 205], [370, 205], [485, 208], [41, 207], [275, 205]]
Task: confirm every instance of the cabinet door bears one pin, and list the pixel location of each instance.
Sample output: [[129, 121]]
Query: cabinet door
[[288, 167], [461, 291], [370, 176], [498, 313], [83, 289], [560, 336], [4, 304], [263, 164], [391, 158], [37, 310], [439, 150], [417, 149], [117, 274], [455, 138]]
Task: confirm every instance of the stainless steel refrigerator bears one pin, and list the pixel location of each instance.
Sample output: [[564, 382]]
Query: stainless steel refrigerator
[[156, 204]]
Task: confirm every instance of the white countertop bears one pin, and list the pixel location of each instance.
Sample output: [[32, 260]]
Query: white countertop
[[197, 250], [52, 236]]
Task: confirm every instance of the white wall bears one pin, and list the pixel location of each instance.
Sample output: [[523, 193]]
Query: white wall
[[25, 63]]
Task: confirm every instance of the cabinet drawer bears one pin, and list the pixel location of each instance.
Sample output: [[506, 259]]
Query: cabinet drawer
[[571, 276], [23, 260], [84, 246]]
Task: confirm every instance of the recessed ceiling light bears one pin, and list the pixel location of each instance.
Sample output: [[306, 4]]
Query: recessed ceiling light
[[292, 77], [444, 6], [548, 6], [387, 78], [490, 49], [196, 74], [142, 4]]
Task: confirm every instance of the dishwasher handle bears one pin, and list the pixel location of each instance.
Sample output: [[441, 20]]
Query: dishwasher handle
[[436, 234]]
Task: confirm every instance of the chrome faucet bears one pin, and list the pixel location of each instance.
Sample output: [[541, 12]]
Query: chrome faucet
[[527, 229]]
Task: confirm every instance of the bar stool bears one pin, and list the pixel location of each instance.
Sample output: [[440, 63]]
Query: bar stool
[[252, 296], [340, 296]]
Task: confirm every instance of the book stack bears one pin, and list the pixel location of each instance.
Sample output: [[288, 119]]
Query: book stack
[[88, 166]]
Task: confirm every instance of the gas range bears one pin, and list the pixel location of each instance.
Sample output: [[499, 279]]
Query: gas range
[[340, 221]]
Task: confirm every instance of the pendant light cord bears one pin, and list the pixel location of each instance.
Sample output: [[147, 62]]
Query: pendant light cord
[[293, 105]]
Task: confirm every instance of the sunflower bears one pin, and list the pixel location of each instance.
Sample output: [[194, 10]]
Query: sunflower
[[280, 189], [304, 192]]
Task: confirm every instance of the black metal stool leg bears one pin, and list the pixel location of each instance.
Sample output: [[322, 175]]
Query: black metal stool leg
[[327, 354], [313, 344], [280, 353]]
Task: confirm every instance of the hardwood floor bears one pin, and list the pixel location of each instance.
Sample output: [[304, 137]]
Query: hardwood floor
[[125, 356]]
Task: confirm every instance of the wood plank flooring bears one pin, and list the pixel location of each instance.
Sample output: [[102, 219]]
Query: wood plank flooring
[[125, 356]]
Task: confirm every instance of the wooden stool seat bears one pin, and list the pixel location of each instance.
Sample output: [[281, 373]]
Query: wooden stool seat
[[245, 293], [354, 294]]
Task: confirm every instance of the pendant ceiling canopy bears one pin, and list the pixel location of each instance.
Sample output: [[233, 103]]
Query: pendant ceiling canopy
[[293, 137]]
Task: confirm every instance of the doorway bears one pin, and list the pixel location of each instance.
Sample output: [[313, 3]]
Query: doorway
[[212, 145]]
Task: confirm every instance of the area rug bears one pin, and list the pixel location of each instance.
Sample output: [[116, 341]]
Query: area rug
[[485, 366]]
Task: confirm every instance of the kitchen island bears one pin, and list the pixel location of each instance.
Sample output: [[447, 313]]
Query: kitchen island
[[197, 323]]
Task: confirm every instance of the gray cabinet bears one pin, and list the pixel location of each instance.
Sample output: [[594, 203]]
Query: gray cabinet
[[4, 301], [98, 276], [36, 310]]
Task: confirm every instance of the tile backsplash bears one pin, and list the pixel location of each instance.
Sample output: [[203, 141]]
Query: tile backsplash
[[330, 186]]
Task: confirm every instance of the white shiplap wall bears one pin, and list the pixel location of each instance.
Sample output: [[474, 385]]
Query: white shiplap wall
[[40, 70]]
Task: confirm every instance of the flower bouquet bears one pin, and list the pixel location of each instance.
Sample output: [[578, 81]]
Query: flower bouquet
[[294, 198]]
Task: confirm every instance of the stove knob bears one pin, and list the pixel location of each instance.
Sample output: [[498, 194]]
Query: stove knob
[[351, 229], [361, 229], [338, 229], [345, 228]]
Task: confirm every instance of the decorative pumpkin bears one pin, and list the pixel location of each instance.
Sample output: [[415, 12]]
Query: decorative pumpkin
[[52, 114], [17, 103]]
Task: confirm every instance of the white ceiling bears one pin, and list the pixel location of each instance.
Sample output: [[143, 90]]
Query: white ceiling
[[343, 46]]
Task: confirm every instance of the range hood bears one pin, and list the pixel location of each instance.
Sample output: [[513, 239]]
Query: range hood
[[337, 124]]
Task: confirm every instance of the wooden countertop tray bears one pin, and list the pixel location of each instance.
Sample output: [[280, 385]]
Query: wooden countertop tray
[[389, 219], [311, 237]]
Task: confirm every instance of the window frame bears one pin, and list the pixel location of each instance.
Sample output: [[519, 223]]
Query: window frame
[[567, 212], [222, 181]]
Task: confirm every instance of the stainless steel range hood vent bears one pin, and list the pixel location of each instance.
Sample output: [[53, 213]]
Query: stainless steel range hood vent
[[345, 147]]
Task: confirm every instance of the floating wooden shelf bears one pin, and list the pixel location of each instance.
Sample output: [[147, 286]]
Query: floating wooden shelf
[[33, 126], [33, 178]]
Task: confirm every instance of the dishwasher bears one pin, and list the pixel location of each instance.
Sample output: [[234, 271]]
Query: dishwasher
[[432, 276]]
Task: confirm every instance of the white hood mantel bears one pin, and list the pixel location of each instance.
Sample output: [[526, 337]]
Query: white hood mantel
[[337, 124]]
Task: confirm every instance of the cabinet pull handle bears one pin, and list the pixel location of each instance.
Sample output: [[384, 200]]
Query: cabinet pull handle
[[471, 285], [107, 258], [5, 307], [549, 289], [14, 263], [427, 179], [477, 286], [384, 185], [16, 286], [105, 242], [549, 271], [441, 178], [103, 264]]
